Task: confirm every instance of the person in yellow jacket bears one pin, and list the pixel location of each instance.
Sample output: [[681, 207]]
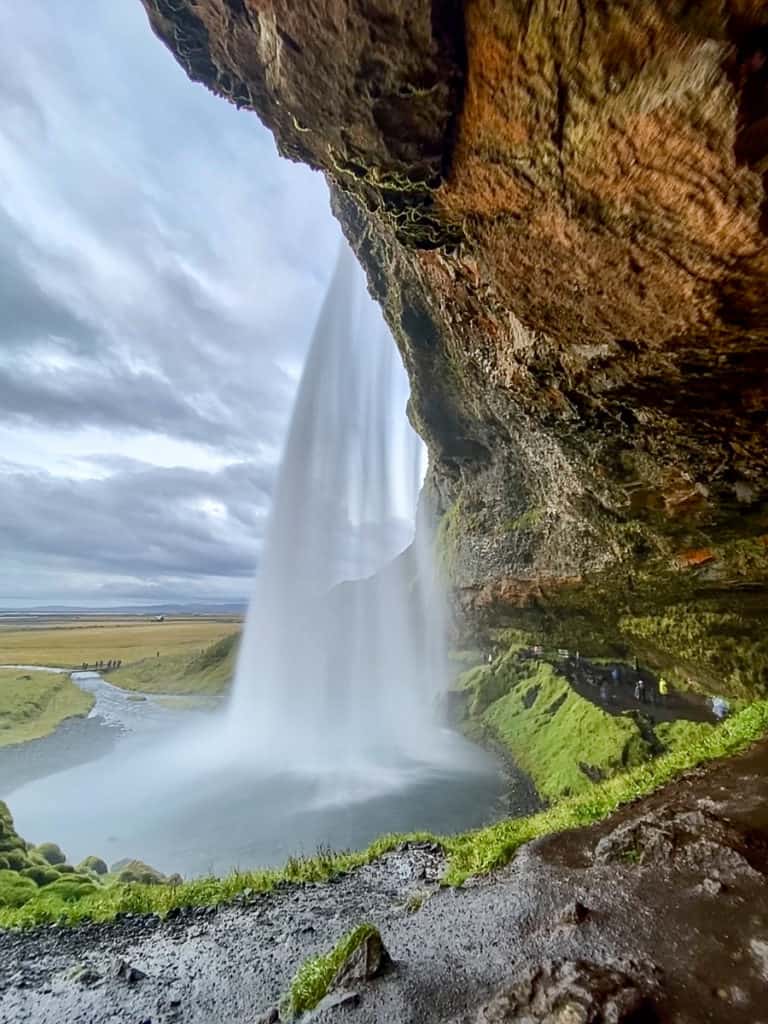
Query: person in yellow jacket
[[663, 689]]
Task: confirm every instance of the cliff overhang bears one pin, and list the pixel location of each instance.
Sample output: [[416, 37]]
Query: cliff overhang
[[562, 210]]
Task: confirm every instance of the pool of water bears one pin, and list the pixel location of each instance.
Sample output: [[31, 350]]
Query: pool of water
[[172, 793]]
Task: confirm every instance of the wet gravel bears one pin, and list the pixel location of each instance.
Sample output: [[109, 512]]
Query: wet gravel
[[699, 926]]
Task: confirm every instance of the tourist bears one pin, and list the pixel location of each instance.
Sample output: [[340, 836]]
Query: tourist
[[640, 691], [720, 708], [663, 689]]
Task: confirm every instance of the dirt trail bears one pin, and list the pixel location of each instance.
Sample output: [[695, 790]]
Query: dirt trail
[[612, 688], [674, 886]]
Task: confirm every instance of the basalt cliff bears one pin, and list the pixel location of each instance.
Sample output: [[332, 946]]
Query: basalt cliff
[[561, 206]]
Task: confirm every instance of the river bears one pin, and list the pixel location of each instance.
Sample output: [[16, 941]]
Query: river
[[166, 790]]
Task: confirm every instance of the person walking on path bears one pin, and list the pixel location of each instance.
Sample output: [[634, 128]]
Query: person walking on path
[[640, 691], [663, 689]]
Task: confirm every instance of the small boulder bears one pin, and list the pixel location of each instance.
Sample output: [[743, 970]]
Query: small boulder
[[367, 960], [52, 853], [334, 1001], [573, 913], [126, 972], [86, 974], [94, 864], [137, 871]]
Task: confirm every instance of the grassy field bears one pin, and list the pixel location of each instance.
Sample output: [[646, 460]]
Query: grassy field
[[33, 704], [206, 672], [71, 642]]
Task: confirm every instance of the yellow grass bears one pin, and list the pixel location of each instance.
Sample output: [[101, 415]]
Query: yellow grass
[[33, 704], [69, 644]]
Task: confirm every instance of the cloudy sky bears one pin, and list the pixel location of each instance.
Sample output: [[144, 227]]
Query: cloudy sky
[[161, 269]]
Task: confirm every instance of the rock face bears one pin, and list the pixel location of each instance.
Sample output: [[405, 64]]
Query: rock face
[[562, 210], [574, 992]]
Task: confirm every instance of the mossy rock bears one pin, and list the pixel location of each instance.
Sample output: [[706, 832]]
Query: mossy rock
[[6, 821], [15, 890], [137, 871], [94, 864], [358, 956], [72, 888], [52, 853], [17, 859], [41, 875]]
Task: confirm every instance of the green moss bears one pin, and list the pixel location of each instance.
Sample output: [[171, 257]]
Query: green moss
[[70, 889], [51, 853], [137, 871], [314, 977], [706, 647], [682, 734], [94, 864], [16, 859], [552, 733], [527, 521], [41, 875], [15, 890], [448, 537]]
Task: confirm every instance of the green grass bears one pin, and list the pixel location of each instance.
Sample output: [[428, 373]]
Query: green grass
[[472, 853], [557, 733], [483, 850], [314, 977], [208, 672], [33, 704], [710, 649]]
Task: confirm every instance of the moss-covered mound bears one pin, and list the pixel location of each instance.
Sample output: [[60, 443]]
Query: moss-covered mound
[[30, 873], [37, 884]]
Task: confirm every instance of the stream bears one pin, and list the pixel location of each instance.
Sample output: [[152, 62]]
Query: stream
[[144, 779]]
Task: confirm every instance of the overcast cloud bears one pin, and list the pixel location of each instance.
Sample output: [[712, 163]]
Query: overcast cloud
[[160, 274]]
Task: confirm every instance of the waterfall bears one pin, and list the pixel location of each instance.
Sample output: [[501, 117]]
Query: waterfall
[[330, 737], [341, 655]]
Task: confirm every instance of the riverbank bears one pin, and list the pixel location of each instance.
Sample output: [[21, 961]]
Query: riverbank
[[34, 703], [454, 949], [208, 672]]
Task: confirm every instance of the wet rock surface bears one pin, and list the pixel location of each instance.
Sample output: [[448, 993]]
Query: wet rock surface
[[520, 937], [575, 992]]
